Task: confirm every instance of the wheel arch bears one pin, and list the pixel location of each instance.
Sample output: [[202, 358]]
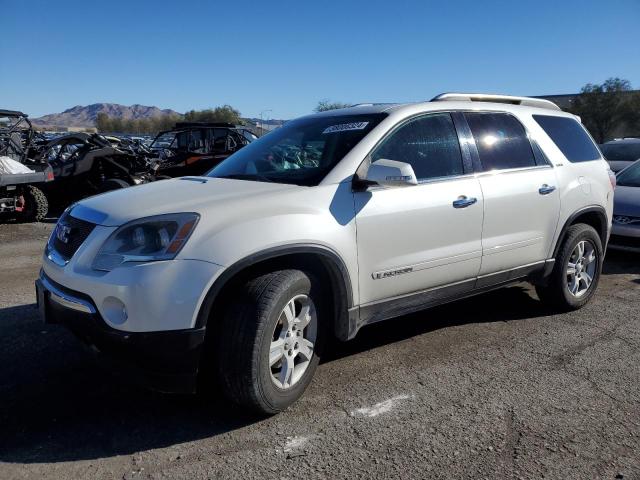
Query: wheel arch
[[319, 259], [595, 216]]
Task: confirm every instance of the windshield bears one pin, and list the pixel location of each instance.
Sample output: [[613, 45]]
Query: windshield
[[301, 152], [163, 140], [628, 152], [630, 177]]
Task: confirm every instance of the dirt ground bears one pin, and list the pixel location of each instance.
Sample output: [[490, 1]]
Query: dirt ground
[[492, 387]]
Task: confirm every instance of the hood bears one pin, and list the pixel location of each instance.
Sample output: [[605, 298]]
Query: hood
[[186, 194], [626, 201]]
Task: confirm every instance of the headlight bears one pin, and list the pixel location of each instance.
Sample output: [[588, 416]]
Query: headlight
[[145, 240]]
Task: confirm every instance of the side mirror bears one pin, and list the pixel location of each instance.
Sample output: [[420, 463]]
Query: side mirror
[[391, 173]]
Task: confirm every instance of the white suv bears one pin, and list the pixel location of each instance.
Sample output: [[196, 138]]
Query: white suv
[[332, 222]]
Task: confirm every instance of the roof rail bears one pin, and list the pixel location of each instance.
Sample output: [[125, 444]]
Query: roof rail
[[483, 97]]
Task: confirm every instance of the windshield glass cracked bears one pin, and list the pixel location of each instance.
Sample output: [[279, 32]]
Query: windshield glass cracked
[[302, 152]]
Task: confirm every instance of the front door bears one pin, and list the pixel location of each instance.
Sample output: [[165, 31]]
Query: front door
[[419, 237]]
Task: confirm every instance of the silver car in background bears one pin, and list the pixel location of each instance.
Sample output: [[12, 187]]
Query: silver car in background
[[625, 233]]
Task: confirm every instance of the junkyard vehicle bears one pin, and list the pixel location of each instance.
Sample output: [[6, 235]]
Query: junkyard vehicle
[[193, 148], [335, 221], [621, 153], [20, 194], [625, 232], [85, 164]]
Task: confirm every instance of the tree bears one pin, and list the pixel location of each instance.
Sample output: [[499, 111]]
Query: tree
[[603, 107], [223, 114], [103, 122], [326, 105], [153, 125]]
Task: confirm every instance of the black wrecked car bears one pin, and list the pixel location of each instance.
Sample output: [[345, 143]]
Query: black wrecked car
[[86, 164], [193, 148]]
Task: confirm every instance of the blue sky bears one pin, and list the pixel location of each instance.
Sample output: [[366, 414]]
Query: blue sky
[[287, 55]]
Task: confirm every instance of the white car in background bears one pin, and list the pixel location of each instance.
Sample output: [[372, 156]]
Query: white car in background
[[334, 221]]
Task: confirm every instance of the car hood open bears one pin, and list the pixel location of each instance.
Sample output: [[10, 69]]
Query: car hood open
[[186, 194]]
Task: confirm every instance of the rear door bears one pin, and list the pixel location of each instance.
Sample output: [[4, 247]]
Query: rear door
[[519, 186]]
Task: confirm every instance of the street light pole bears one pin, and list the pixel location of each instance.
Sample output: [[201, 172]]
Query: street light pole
[[262, 120]]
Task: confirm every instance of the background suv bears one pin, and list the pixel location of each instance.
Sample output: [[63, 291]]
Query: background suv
[[621, 153], [332, 222]]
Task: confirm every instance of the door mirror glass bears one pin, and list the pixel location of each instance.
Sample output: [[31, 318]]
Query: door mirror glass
[[391, 173]]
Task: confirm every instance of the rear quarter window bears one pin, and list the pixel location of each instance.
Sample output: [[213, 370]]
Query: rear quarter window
[[570, 137]]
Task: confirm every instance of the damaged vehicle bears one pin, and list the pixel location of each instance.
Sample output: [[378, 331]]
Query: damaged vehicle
[[21, 178], [86, 164], [193, 148]]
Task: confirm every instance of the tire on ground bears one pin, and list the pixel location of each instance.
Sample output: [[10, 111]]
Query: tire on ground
[[244, 337], [556, 293], [36, 205]]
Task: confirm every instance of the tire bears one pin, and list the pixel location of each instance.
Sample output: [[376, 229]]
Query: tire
[[253, 324], [36, 205], [557, 292], [113, 184]]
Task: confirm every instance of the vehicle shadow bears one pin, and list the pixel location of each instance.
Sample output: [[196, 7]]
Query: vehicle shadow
[[618, 261], [57, 405], [514, 303]]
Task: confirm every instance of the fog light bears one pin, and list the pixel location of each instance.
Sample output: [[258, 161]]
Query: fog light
[[115, 311]]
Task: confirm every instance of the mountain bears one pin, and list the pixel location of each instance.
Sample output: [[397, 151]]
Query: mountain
[[80, 116]]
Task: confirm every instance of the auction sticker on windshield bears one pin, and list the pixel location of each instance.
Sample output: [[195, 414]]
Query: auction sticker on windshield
[[345, 127]]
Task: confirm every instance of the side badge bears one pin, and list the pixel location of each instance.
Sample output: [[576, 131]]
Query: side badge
[[391, 273]]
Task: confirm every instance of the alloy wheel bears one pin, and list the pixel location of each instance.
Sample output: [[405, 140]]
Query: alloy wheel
[[581, 268], [293, 341]]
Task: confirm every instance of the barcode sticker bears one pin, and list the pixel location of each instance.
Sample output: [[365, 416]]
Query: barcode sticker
[[345, 127]]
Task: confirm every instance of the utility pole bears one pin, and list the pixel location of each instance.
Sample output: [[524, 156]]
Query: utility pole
[[262, 120]]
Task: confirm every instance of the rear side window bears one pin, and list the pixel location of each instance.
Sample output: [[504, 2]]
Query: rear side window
[[569, 136], [501, 140], [429, 144]]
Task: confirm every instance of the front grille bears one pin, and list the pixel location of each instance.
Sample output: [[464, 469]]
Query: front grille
[[75, 232], [622, 241]]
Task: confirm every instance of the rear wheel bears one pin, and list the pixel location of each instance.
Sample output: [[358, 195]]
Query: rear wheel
[[270, 341], [113, 184], [577, 270], [34, 205]]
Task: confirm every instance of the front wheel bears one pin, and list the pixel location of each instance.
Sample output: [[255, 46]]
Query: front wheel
[[270, 340], [577, 270]]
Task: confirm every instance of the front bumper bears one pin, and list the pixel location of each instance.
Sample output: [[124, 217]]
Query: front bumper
[[166, 361]]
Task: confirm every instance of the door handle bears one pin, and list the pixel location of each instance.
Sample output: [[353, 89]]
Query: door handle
[[546, 189], [463, 201]]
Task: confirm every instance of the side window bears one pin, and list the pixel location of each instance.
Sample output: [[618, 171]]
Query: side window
[[429, 143], [182, 140], [220, 139], [570, 137], [501, 140], [196, 143]]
